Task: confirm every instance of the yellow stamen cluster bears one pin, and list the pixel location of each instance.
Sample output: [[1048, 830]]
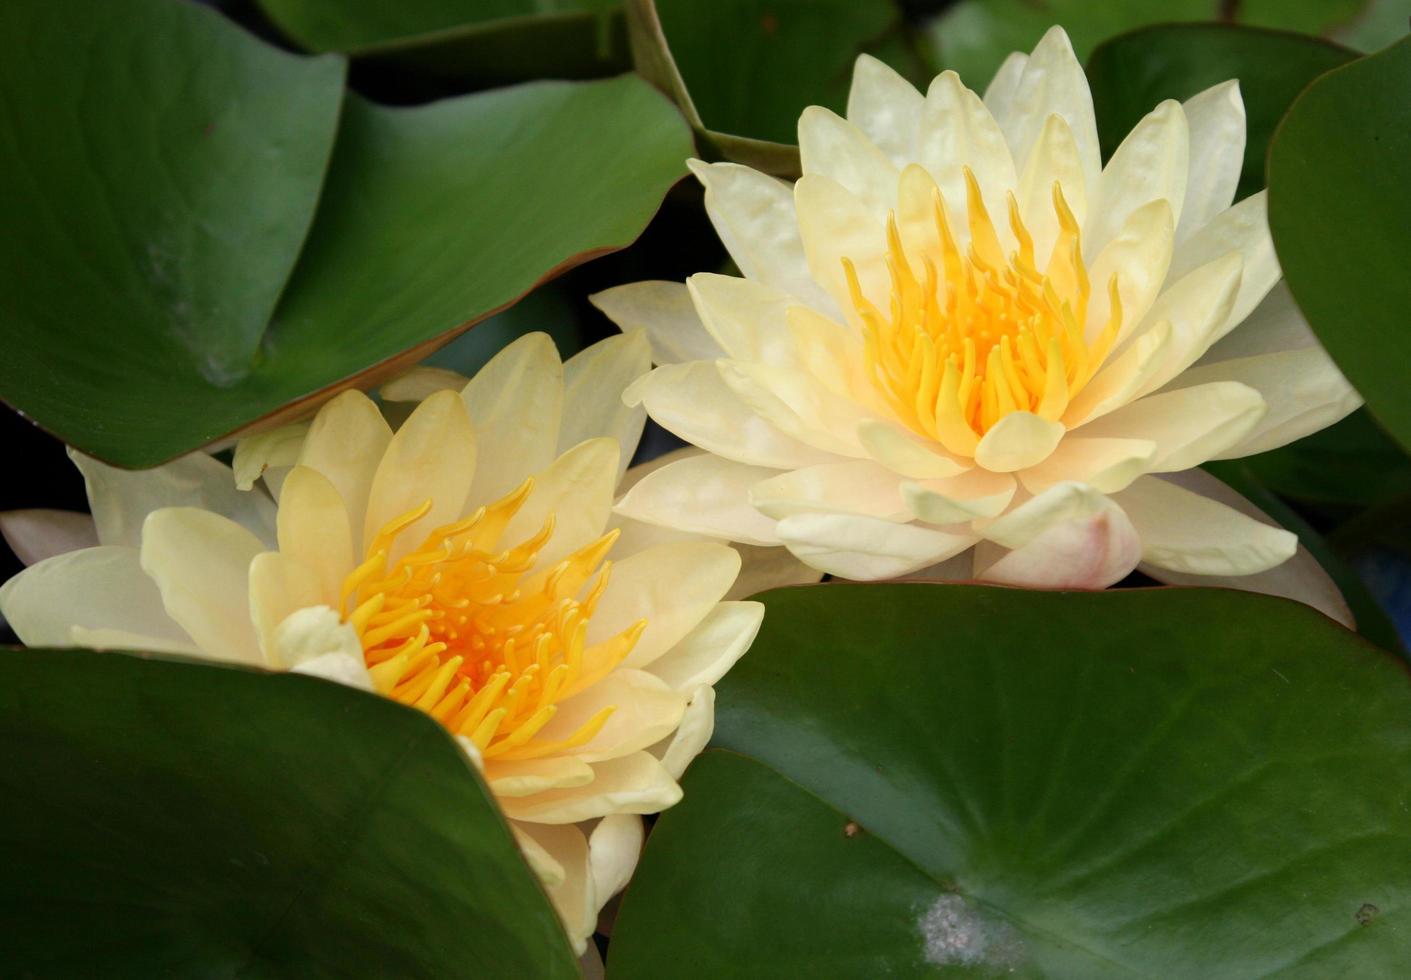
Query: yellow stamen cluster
[[460, 629], [965, 344]]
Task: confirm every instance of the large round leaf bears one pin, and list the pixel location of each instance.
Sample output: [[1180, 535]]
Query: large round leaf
[[1132, 73], [1340, 213], [164, 179], [166, 818], [957, 780]]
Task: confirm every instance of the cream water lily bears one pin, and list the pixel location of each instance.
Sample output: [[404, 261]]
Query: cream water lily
[[466, 564], [960, 339]]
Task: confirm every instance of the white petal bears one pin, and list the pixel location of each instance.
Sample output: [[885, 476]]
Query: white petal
[[1017, 441], [536, 775], [345, 443], [1198, 307], [95, 589], [851, 487], [1186, 532], [794, 402], [432, 457], [1243, 228], [121, 499], [1217, 133], [645, 710], [635, 783], [1060, 504], [1138, 258], [704, 495], [34, 535], [958, 499], [201, 563], [613, 849], [559, 855], [832, 146], [886, 107], [1188, 425], [1052, 83], [112, 639], [515, 403], [703, 655], [755, 218], [769, 568], [904, 454], [420, 383], [665, 312], [1105, 464], [315, 641], [593, 382], [747, 319], [694, 402], [1152, 163], [1300, 578], [691, 738], [576, 491], [957, 131], [1090, 552], [866, 548], [672, 586], [275, 449]]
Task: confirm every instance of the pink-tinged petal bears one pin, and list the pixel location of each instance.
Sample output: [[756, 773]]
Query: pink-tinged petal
[[1090, 552]]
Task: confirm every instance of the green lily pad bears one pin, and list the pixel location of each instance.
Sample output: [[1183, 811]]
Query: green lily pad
[[1132, 73], [169, 818], [166, 280], [1340, 213], [935, 780]]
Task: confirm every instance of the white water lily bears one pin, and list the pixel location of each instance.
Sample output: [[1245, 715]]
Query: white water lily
[[464, 565], [960, 339]]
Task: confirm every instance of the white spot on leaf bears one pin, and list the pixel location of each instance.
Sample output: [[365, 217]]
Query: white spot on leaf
[[954, 933]]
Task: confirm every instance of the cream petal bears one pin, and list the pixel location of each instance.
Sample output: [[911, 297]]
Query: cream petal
[[768, 568], [1243, 228], [1183, 531], [1188, 425], [314, 529], [536, 775], [101, 589], [1300, 578], [886, 107], [1198, 307], [1216, 119], [691, 738], [272, 450], [672, 586], [635, 536], [836, 225], [958, 499], [1059, 504], [851, 487], [754, 216], [957, 132], [693, 402], [613, 849], [704, 495], [833, 147], [420, 383], [576, 492], [593, 382], [645, 710], [747, 319], [432, 457], [1003, 90], [1123, 377], [866, 548], [1152, 163], [635, 783], [1054, 159], [562, 852], [201, 563], [121, 499], [1105, 464], [34, 535], [916, 216], [280, 586], [346, 441], [665, 312], [1139, 258], [905, 455], [703, 655], [1017, 441], [1085, 553], [1275, 325], [798, 405], [111, 639], [515, 403], [1052, 83]]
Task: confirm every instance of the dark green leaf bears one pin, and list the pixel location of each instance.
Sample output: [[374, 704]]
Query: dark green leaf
[[1340, 213], [167, 818], [166, 185], [965, 781], [1131, 74]]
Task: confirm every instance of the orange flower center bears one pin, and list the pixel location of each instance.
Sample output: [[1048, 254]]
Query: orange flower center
[[467, 632], [968, 341]]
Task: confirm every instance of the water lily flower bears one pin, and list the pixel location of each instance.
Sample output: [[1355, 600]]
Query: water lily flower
[[961, 344], [467, 565]]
